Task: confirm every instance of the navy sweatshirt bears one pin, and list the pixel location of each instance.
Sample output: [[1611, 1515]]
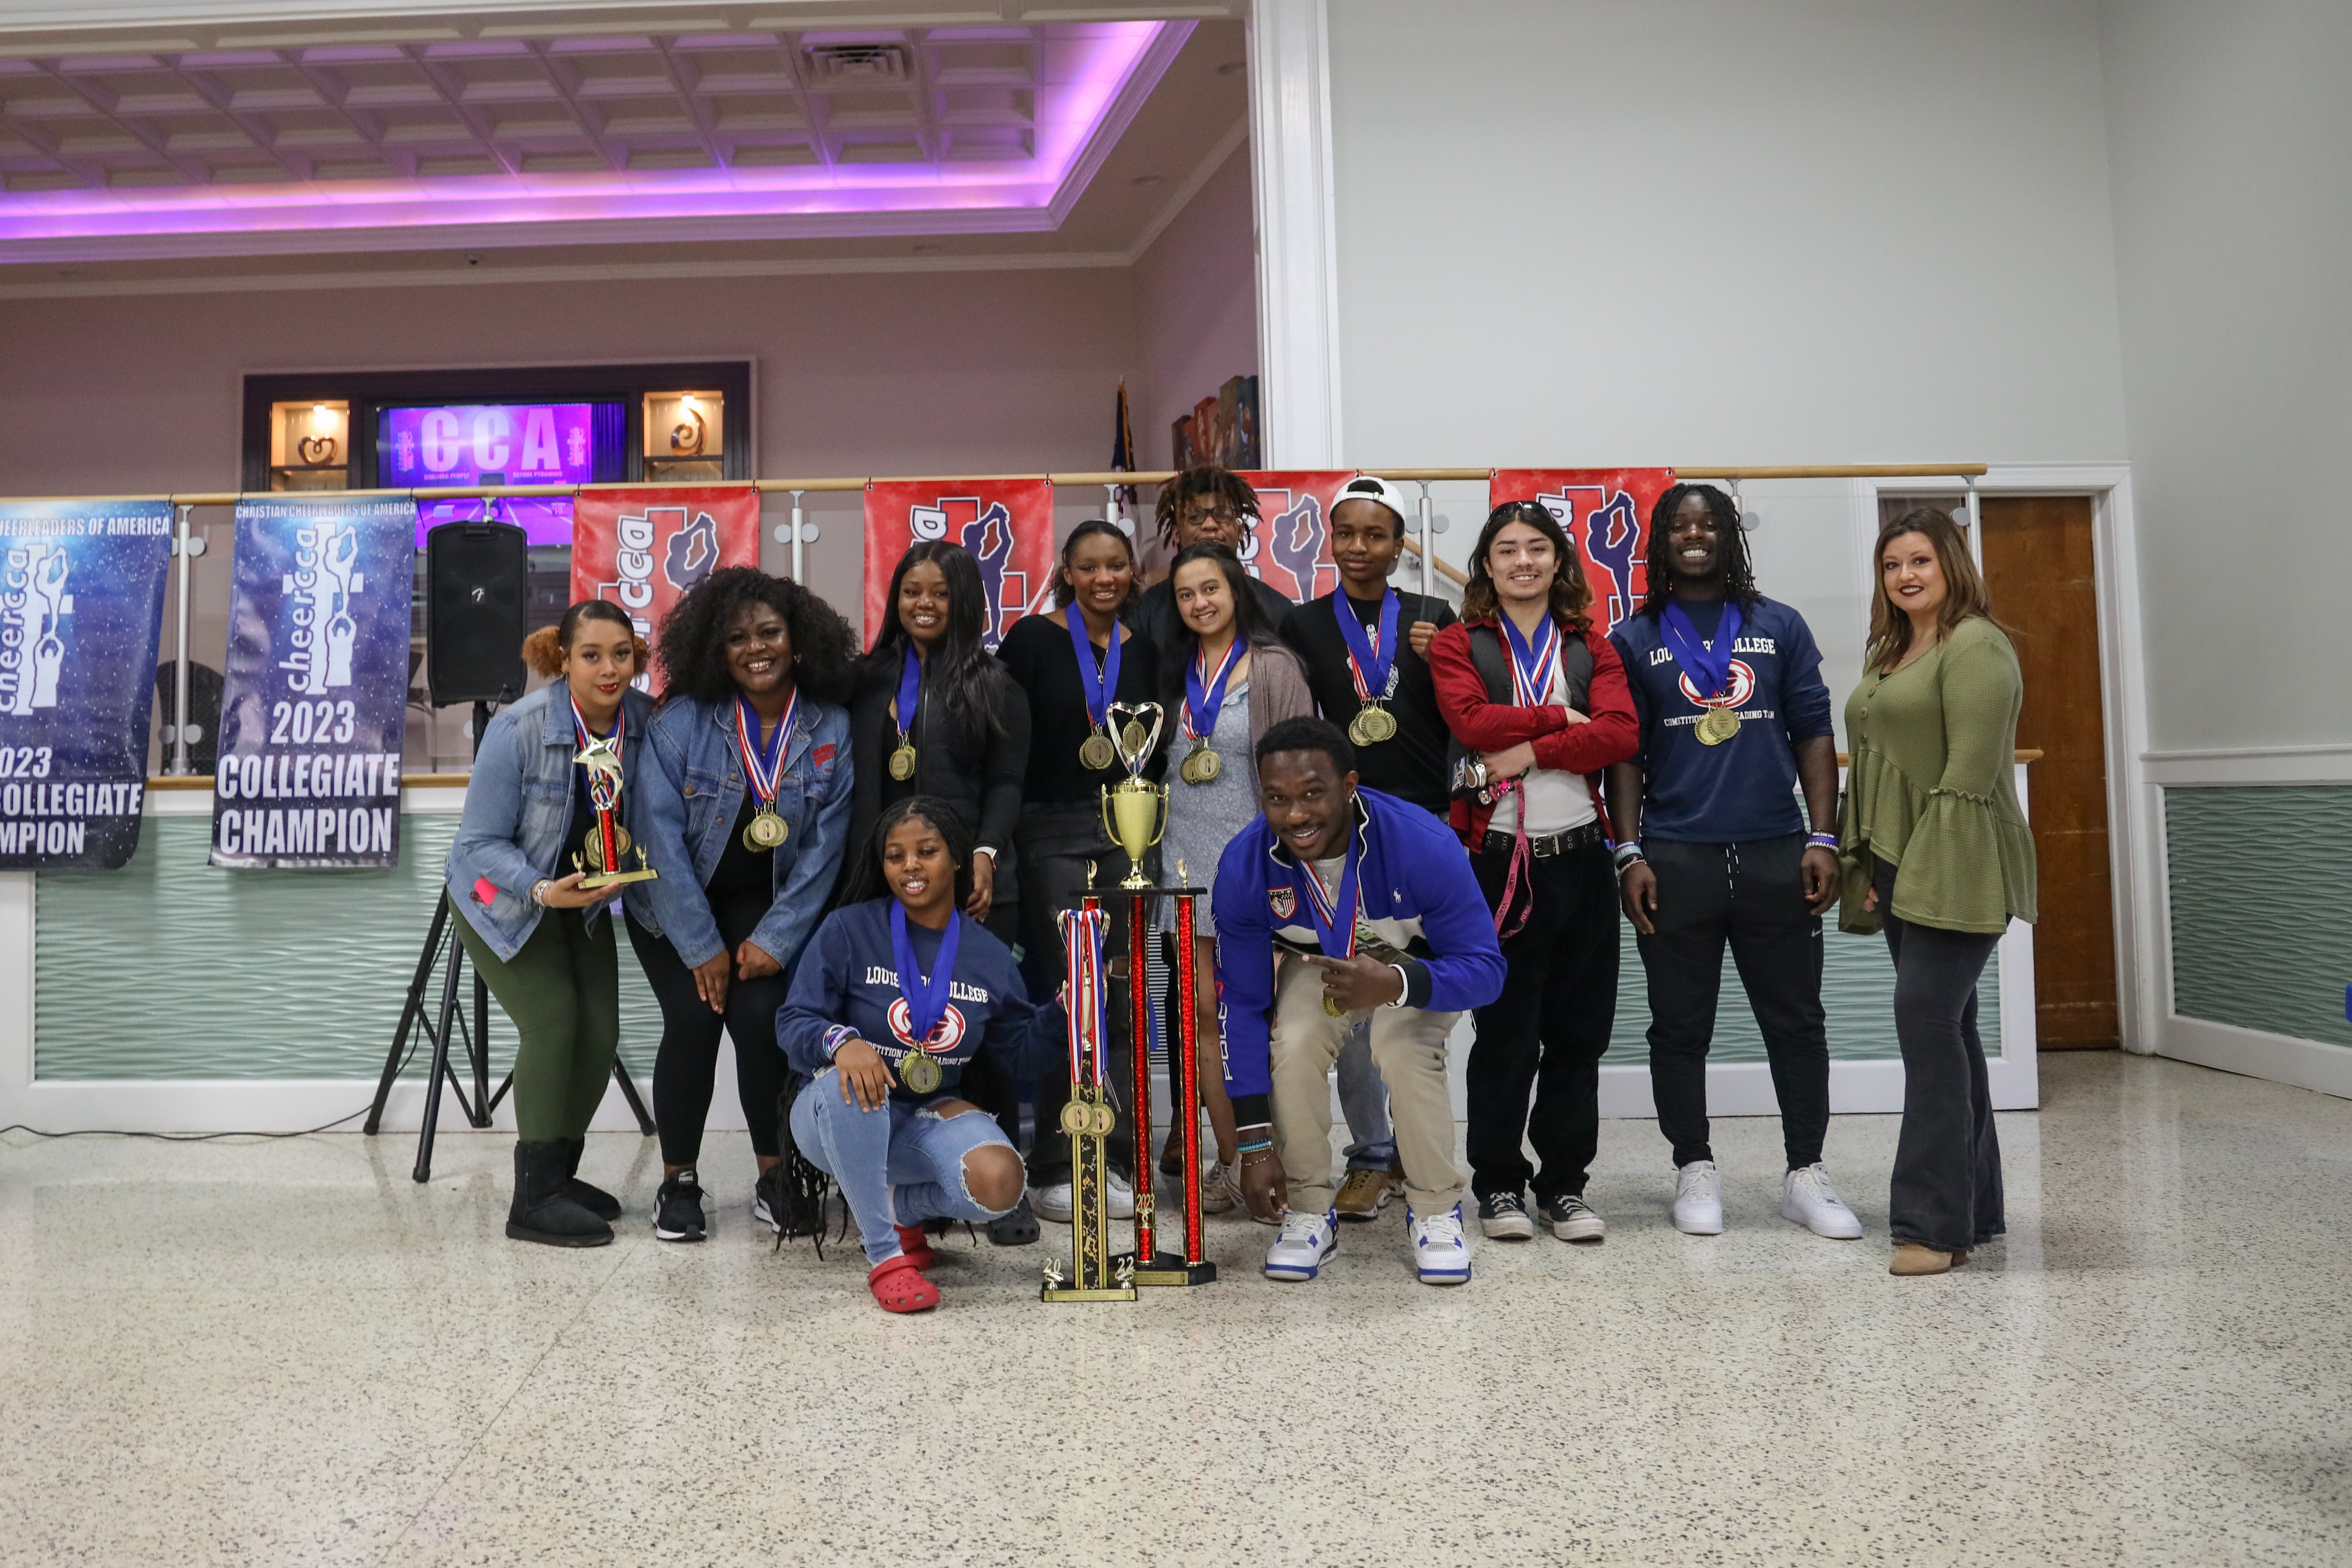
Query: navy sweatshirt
[[1413, 871], [846, 986], [1746, 788]]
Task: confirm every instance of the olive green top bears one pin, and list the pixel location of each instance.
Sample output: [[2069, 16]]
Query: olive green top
[[1930, 788]]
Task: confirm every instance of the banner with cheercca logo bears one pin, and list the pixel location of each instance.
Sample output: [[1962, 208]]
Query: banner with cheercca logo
[[643, 546], [314, 699], [81, 615]]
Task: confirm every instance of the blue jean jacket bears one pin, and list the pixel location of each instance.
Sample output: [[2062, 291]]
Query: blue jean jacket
[[518, 804], [692, 795]]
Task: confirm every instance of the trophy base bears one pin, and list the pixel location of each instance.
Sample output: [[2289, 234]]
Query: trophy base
[[1168, 1268], [595, 880], [1077, 1293]]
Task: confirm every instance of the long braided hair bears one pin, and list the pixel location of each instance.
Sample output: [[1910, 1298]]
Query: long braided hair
[[1218, 487], [1731, 548]]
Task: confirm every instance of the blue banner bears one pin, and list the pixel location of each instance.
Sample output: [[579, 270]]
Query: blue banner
[[81, 610], [315, 702]]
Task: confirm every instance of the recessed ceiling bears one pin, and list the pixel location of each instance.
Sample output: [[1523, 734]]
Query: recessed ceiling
[[593, 136]]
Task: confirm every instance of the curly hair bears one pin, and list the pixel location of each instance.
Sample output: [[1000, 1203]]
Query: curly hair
[[866, 881], [1571, 595], [1731, 547], [694, 637], [1218, 487]]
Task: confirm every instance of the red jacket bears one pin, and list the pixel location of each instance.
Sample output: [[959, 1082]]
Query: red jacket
[[1609, 734]]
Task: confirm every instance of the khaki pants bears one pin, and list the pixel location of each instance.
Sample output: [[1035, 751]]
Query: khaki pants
[[1408, 1047]]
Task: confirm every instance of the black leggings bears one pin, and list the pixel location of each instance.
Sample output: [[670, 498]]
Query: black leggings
[[685, 1069]]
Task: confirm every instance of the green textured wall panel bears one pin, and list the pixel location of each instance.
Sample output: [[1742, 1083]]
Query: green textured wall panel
[[1857, 993], [172, 969], [2261, 878]]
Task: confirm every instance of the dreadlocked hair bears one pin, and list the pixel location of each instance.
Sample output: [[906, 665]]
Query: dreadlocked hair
[[694, 637], [1731, 547], [1218, 487]]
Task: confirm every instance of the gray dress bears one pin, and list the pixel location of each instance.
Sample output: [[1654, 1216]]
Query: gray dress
[[1203, 818]]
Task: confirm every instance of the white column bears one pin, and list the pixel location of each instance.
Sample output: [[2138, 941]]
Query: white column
[[1298, 261]]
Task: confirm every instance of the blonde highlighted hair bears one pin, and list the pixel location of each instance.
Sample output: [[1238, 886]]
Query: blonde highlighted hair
[[1965, 597], [544, 651]]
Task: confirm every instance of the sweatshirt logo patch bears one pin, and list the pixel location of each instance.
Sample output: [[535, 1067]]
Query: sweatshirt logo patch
[[944, 1039], [1284, 901]]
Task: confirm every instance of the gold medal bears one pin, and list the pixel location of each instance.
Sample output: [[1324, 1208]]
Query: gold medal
[[1078, 1118], [1372, 725], [1331, 1006], [1202, 766], [594, 847], [1096, 751], [1133, 738], [918, 1071], [1719, 725], [766, 830], [902, 763]]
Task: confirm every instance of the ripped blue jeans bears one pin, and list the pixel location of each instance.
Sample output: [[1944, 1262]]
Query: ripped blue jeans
[[897, 1163]]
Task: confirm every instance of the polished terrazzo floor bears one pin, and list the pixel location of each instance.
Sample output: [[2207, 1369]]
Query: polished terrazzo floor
[[288, 1353]]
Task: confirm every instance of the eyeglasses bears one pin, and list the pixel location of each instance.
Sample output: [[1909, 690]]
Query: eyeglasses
[[1198, 515]]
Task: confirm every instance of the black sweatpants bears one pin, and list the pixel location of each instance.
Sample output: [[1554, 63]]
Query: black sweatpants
[[1946, 1191], [1752, 895], [687, 1065], [1547, 1029], [1057, 844]]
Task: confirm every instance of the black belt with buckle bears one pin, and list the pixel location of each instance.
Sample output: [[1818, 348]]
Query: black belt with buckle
[[1545, 846]]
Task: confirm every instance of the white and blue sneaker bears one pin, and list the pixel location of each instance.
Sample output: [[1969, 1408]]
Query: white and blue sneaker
[[1440, 1251], [1306, 1239]]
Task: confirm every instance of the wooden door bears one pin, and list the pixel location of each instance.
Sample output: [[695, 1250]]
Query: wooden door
[[2038, 566]]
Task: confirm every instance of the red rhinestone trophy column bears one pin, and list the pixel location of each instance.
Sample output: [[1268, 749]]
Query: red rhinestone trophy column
[[1191, 1269]]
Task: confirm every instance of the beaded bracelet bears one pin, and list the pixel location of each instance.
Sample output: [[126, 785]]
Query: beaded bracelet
[[1823, 841]]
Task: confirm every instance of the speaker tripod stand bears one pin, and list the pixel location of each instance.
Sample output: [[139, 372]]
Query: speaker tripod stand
[[451, 1027]]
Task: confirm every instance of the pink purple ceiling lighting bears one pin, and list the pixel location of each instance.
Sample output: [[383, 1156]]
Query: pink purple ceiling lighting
[[627, 140]]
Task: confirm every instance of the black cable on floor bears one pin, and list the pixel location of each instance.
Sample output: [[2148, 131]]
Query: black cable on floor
[[181, 1137]]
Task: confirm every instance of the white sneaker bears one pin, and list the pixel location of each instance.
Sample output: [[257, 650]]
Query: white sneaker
[[1219, 1189], [1306, 1239], [1055, 1202], [1059, 1202], [1698, 1199], [1808, 1199], [1440, 1251]]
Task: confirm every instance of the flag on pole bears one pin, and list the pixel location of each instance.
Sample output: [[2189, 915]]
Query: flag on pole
[[1122, 448]]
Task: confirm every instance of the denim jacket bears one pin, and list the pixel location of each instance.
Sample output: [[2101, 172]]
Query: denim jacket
[[692, 795], [518, 804]]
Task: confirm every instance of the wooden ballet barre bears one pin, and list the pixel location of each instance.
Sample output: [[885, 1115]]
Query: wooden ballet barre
[[821, 486]]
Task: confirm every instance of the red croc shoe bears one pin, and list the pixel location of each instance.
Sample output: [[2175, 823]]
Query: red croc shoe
[[898, 1285], [916, 1243]]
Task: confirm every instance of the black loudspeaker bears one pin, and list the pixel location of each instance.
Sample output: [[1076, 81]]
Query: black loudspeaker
[[476, 599]]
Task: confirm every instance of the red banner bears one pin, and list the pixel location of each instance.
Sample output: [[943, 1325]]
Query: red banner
[[643, 548], [1606, 512], [1290, 545], [1007, 524]]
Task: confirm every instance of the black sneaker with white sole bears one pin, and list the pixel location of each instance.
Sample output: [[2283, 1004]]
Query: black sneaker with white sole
[[678, 1209], [1571, 1218], [1504, 1218]]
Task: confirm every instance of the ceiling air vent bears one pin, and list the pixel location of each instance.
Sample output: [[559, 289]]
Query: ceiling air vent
[[855, 65]]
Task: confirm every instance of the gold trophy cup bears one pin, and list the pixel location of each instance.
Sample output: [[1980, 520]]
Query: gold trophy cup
[[1135, 814]]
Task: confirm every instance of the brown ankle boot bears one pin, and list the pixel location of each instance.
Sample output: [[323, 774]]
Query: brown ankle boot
[[1910, 1257]]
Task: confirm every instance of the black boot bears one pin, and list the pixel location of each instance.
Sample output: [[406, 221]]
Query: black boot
[[595, 1200], [540, 1212]]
